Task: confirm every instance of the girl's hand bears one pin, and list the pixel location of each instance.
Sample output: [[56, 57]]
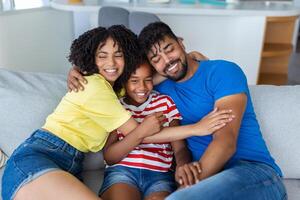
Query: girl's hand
[[75, 80], [153, 123], [212, 122]]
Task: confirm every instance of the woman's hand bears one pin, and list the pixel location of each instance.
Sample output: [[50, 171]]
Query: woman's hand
[[75, 80], [153, 124], [212, 122]]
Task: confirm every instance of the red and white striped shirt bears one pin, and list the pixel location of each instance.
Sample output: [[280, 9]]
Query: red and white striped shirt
[[158, 156]]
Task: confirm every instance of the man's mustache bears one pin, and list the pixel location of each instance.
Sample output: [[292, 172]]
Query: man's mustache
[[170, 64]]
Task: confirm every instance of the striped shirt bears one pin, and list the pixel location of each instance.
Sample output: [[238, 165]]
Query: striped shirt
[[158, 156]]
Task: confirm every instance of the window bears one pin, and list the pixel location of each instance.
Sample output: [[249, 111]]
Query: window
[[21, 4]]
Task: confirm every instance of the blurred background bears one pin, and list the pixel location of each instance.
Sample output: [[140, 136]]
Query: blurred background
[[36, 36]]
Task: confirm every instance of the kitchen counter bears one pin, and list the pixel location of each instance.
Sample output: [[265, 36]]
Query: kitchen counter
[[232, 31]]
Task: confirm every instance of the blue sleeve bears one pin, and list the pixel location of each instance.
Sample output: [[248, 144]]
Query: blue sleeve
[[163, 87], [226, 78]]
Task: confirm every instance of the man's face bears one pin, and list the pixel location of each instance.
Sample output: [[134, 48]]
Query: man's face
[[169, 58]]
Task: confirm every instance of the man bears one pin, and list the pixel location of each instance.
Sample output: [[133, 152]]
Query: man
[[235, 162]]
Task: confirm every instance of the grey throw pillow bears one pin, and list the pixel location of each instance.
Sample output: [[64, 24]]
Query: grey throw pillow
[[3, 159]]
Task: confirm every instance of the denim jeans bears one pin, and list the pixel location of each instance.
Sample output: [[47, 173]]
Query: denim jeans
[[243, 180], [146, 181], [41, 153]]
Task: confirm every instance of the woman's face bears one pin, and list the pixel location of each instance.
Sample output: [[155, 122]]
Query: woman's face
[[109, 59]]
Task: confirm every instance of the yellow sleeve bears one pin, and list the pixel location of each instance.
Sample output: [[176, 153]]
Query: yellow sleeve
[[102, 105]]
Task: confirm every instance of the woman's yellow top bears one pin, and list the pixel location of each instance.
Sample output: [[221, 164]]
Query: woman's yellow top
[[84, 119]]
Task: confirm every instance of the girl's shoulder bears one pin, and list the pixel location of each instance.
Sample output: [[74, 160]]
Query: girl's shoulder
[[157, 96]]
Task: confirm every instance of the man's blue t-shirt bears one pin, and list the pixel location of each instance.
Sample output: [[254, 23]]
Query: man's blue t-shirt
[[196, 97]]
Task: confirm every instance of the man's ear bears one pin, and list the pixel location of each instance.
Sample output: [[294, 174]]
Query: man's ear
[[180, 41]]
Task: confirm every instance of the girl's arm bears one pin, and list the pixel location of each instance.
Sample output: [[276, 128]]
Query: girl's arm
[[206, 126], [115, 150]]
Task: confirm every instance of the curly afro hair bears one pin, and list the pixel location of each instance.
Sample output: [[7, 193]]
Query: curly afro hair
[[154, 33], [83, 50]]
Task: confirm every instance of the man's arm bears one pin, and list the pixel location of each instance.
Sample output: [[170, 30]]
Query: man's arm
[[224, 142]]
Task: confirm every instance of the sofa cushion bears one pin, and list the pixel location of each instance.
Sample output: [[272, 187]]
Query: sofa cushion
[[26, 100], [93, 179], [293, 188], [278, 112]]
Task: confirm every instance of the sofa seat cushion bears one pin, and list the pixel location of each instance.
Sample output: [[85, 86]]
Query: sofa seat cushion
[[93, 179]]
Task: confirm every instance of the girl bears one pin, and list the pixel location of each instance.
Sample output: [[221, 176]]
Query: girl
[[143, 171]]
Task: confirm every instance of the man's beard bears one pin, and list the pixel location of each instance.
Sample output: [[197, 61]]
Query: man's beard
[[181, 74]]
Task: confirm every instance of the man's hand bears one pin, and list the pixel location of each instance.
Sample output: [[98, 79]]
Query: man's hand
[[75, 80], [188, 174]]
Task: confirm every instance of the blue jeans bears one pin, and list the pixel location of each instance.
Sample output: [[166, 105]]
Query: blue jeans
[[41, 153], [146, 181], [242, 180]]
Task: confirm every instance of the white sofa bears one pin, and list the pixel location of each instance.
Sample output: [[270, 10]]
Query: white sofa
[[27, 98]]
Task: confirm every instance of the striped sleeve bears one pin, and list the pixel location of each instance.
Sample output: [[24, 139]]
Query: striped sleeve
[[172, 111]]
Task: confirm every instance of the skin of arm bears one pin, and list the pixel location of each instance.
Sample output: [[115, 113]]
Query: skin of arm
[[115, 151], [171, 134], [224, 142], [181, 153], [207, 125]]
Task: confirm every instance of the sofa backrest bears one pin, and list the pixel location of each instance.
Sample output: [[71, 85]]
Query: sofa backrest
[[278, 111], [27, 98]]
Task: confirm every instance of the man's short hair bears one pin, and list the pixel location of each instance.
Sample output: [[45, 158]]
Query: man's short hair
[[154, 33]]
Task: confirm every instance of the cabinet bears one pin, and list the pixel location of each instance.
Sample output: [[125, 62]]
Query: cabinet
[[277, 49]]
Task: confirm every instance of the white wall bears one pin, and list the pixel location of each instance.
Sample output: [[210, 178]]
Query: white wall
[[35, 40]]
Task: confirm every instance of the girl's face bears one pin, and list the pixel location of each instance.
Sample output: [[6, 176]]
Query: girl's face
[[139, 85], [109, 59]]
